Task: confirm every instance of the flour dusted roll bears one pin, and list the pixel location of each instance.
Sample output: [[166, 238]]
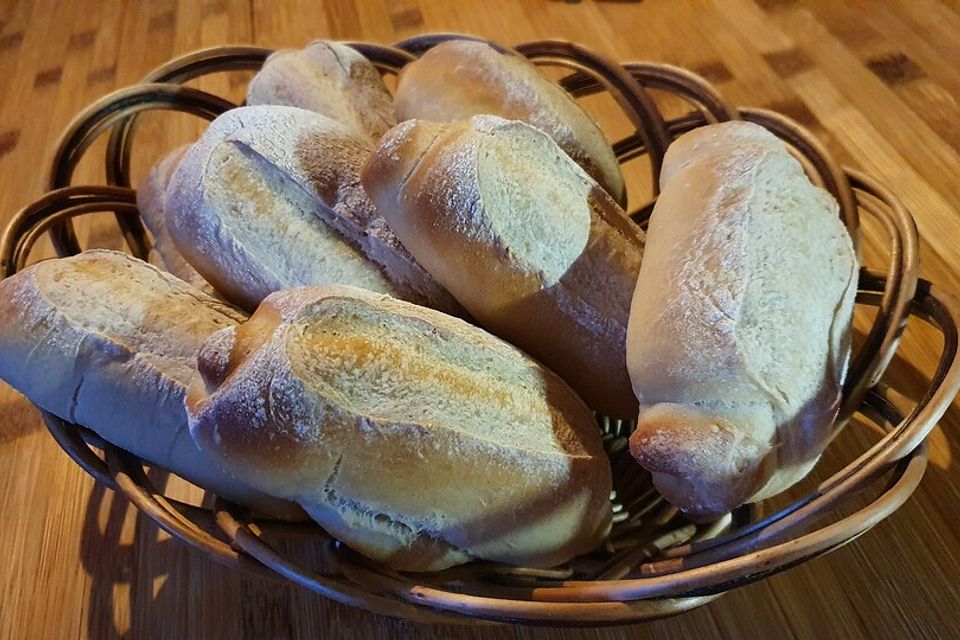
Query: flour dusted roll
[[246, 226], [528, 243], [414, 437], [151, 195], [739, 332], [109, 342], [461, 78], [330, 78], [270, 198]]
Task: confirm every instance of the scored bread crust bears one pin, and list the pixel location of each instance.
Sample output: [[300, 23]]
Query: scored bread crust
[[523, 237], [329, 78], [461, 78], [109, 342], [416, 438], [739, 330], [327, 165], [270, 198], [151, 194]]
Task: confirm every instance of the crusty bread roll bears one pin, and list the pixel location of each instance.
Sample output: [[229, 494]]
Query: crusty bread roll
[[739, 331], [109, 342], [270, 198], [526, 241], [412, 436], [329, 78], [150, 202], [461, 78]]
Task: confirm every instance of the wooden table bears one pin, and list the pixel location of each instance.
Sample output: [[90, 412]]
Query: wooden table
[[878, 82]]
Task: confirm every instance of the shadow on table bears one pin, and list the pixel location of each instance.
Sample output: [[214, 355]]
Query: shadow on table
[[147, 585], [943, 471]]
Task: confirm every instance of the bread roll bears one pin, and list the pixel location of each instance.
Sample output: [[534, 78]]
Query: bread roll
[[412, 436], [109, 342], [739, 331], [526, 241], [150, 202], [461, 78], [270, 198], [329, 78]]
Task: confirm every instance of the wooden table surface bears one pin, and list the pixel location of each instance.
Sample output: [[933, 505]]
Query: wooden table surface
[[878, 81]]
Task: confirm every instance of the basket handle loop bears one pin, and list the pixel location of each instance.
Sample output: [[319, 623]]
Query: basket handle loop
[[57, 208], [630, 96], [100, 116]]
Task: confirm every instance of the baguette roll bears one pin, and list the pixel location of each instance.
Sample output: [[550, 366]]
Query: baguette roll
[[528, 243], [461, 78], [739, 331], [109, 342], [151, 195], [415, 438], [270, 198], [330, 78]]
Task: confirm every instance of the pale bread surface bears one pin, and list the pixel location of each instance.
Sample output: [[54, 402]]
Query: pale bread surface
[[110, 342], [270, 198], [460, 78], [330, 78], [739, 330], [151, 195], [523, 237]]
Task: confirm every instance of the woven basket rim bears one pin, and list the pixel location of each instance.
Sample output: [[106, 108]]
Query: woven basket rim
[[682, 574]]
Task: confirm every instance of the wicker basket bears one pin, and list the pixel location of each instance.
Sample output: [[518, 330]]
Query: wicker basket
[[656, 563]]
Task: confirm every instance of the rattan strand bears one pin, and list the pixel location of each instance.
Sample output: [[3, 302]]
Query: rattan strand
[[656, 563]]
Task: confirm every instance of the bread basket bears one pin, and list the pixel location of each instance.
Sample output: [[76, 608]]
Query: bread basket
[[656, 563]]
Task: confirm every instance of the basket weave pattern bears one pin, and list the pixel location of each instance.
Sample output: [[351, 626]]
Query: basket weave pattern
[[656, 563]]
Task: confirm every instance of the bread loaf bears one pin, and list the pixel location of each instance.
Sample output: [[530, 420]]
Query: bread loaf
[[739, 331], [109, 342], [410, 435], [330, 78], [270, 198], [461, 78], [527, 242], [150, 202]]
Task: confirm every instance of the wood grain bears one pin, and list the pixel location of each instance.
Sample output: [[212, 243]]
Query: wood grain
[[878, 81]]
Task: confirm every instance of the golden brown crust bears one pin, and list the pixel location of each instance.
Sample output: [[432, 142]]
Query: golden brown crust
[[270, 198], [376, 416], [523, 238]]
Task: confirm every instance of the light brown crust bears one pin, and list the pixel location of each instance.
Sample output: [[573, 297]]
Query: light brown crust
[[269, 198], [701, 461], [329, 78], [530, 246], [739, 334], [109, 342], [459, 78], [376, 416], [151, 198]]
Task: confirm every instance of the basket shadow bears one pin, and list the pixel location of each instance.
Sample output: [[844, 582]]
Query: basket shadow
[[146, 584], [111, 561]]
